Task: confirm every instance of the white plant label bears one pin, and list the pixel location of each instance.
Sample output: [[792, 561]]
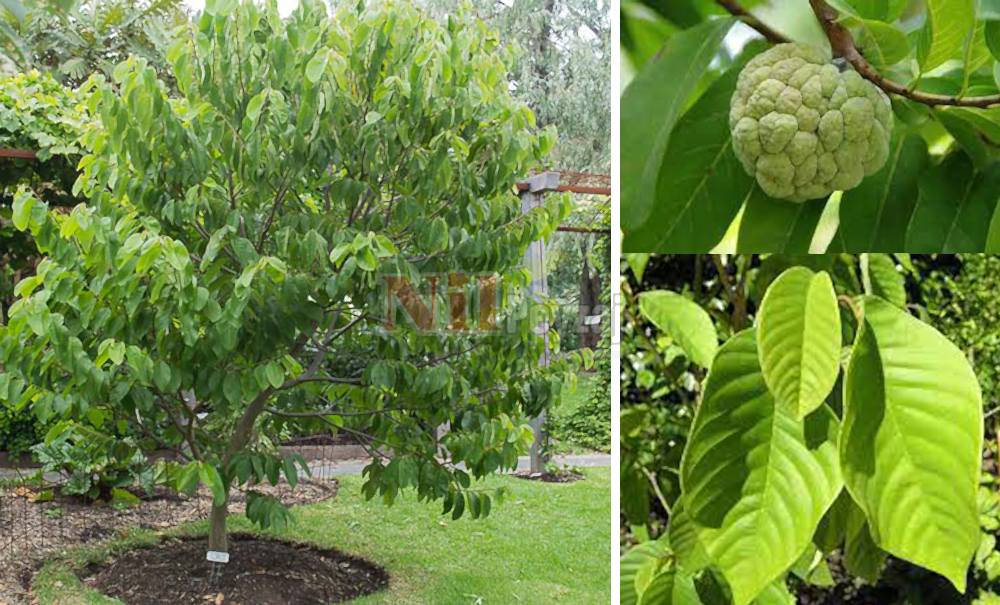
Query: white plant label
[[218, 557]]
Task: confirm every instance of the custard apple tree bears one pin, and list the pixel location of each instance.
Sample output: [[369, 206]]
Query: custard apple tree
[[242, 238], [810, 125]]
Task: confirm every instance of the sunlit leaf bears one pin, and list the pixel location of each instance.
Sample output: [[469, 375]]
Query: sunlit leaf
[[912, 438]]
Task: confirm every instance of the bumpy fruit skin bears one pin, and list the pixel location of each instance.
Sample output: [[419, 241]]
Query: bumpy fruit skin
[[803, 128]]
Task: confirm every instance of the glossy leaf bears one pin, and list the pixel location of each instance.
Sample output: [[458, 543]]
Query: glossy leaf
[[943, 37], [954, 209], [882, 43], [912, 438], [662, 90], [862, 557], [883, 280], [798, 331], [874, 215], [755, 479], [684, 321], [770, 225], [638, 566]]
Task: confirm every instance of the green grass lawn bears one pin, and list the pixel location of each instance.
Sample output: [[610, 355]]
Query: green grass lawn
[[547, 543]]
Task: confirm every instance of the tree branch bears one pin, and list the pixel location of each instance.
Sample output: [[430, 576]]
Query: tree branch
[[842, 44], [737, 10]]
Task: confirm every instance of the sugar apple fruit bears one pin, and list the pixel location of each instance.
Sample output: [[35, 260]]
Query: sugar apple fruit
[[805, 129]]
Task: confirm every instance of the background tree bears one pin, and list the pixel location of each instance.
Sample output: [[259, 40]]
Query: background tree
[[72, 39], [313, 165], [563, 71]]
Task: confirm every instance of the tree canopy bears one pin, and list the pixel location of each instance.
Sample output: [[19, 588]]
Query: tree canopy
[[241, 236]]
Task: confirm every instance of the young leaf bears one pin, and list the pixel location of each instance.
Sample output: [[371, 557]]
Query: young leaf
[[882, 278], [912, 440], [661, 89], [948, 25], [798, 329], [755, 479], [23, 203], [210, 477], [684, 321]]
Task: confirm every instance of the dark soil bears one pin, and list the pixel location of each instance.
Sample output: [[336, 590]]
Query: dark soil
[[260, 572], [556, 477], [31, 530]]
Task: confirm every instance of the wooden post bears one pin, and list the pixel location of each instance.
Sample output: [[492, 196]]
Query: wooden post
[[532, 196]]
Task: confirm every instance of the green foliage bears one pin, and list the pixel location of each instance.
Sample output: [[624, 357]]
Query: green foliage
[[96, 465], [312, 161], [890, 465], [958, 294], [683, 189], [75, 38], [19, 431], [587, 424], [799, 343]]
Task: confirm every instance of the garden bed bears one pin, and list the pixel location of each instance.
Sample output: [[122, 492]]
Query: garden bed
[[31, 529], [261, 571]]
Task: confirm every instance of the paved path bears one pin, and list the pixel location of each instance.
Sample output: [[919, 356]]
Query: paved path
[[354, 467]]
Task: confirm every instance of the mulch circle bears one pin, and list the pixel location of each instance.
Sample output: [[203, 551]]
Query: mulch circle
[[260, 572], [556, 477]]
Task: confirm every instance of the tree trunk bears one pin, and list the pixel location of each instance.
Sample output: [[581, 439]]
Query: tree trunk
[[218, 539]]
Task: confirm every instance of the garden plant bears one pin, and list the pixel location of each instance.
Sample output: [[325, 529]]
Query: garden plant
[[240, 235], [853, 126], [832, 426]]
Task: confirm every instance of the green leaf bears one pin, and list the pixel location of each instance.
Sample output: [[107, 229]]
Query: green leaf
[[316, 66], [874, 215], [291, 473], [699, 186], [162, 376], [275, 374], [684, 321], [883, 279], [883, 44], [770, 225], [641, 562], [659, 94], [912, 439], [187, 480], [210, 477], [949, 24], [755, 479], [256, 104], [954, 209], [983, 151], [798, 330], [862, 557], [776, 594], [670, 588], [993, 38], [23, 203]]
